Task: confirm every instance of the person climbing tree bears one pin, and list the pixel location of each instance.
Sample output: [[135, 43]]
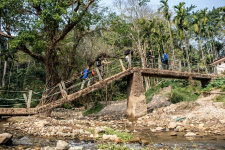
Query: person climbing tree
[[85, 77]]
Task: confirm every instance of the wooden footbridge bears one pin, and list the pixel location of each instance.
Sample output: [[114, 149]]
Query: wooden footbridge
[[135, 89]]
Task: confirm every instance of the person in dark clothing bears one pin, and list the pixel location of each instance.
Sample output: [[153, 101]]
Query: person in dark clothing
[[165, 61], [85, 77], [150, 57], [101, 67]]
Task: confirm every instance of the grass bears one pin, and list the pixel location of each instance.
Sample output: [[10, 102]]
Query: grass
[[124, 136], [97, 107]]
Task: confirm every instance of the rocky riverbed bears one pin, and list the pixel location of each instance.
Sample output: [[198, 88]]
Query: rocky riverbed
[[201, 120]]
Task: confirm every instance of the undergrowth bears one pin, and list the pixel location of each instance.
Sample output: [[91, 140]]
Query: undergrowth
[[97, 107], [182, 91], [123, 135], [218, 83]]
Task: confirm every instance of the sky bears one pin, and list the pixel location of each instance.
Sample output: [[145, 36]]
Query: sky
[[201, 4]]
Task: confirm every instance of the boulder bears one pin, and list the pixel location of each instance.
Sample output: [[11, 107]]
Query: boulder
[[99, 130], [173, 134], [135, 140], [172, 125], [62, 145], [5, 138]]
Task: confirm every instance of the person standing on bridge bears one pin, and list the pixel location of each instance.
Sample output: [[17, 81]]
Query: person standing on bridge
[[100, 66], [85, 77], [150, 58], [165, 61]]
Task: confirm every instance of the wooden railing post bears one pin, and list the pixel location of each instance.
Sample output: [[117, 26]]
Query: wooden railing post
[[180, 67], [198, 67], [129, 61], [99, 75], [121, 63], [29, 99], [63, 89]]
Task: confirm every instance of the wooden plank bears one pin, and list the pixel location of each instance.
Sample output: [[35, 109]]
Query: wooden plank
[[129, 61], [29, 99], [99, 75], [121, 63]]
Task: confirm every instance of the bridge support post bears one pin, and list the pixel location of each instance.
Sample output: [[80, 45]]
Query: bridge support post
[[136, 101]]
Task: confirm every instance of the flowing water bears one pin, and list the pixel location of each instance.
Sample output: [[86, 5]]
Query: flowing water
[[160, 140]]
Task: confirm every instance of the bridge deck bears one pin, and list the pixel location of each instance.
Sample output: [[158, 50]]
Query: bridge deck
[[17, 111], [103, 83]]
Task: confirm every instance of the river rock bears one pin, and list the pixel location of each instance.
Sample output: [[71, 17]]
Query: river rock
[[173, 134], [48, 148], [190, 134], [172, 125], [144, 142], [159, 129], [5, 137], [76, 148], [222, 121], [99, 130], [109, 137], [62, 145], [135, 140]]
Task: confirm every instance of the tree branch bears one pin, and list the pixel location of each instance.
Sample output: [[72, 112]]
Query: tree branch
[[6, 35], [70, 26], [36, 56]]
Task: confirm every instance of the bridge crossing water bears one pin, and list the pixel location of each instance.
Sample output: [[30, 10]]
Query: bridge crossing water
[[135, 88]]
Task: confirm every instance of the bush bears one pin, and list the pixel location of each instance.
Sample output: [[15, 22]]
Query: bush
[[94, 109], [217, 83], [183, 94]]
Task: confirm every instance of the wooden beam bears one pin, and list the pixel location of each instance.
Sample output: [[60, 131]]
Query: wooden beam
[[63, 92], [25, 98], [121, 63], [29, 99]]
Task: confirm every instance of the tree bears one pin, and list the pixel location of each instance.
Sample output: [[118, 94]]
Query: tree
[[40, 26], [165, 10]]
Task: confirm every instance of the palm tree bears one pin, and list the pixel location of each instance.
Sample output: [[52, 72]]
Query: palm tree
[[181, 21], [165, 10], [197, 24]]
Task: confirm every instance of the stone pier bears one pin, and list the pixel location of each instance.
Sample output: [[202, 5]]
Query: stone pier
[[136, 102]]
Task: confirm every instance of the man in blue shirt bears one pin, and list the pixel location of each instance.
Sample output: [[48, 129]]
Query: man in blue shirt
[[165, 61], [85, 77]]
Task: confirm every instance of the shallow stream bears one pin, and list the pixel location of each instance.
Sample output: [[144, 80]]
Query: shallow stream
[[159, 140]]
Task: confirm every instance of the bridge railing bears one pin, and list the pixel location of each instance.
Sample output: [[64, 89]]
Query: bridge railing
[[174, 65]]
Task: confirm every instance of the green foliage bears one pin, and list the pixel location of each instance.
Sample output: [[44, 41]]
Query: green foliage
[[183, 94], [220, 98], [217, 83], [124, 136], [181, 90], [94, 109]]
